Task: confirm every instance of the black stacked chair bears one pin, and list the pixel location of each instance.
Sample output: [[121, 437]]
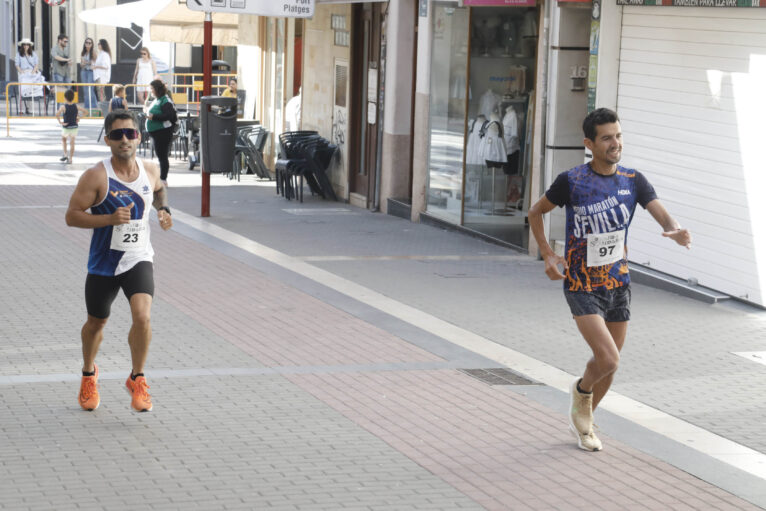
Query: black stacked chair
[[193, 134], [305, 156], [181, 137], [290, 163], [248, 151]]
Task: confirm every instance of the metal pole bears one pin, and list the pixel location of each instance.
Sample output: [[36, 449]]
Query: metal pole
[[207, 78]]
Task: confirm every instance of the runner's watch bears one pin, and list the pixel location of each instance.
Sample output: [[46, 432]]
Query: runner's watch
[[165, 208]]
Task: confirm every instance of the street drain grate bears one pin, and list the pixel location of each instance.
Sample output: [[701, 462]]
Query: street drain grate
[[499, 376]]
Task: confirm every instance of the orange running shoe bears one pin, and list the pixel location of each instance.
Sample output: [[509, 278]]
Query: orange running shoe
[[89, 398], [142, 401]]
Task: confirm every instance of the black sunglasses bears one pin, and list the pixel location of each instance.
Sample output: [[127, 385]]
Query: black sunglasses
[[117, 134]]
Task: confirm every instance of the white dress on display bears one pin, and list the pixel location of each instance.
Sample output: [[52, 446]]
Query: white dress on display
[[474, 140], [511, 130], [492, 147]]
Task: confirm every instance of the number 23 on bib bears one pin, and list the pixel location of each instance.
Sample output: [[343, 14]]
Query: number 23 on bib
[[605, 248], [130, 236]]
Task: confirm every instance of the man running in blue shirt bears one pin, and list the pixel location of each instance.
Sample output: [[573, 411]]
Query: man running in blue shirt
[[600, 198]]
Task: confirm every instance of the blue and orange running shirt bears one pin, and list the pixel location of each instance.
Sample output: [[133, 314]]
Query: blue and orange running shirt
[[599, 210]]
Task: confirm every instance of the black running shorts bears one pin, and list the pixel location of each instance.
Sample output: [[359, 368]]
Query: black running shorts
[[610, 304], [100, 291]]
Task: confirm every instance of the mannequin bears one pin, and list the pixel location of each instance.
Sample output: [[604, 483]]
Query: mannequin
[[492, 151], [488, 103]]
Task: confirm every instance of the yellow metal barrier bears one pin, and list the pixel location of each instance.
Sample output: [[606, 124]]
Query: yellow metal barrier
[[48, 98], [187, 93]]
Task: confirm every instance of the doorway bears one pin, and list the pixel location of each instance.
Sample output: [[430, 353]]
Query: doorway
[[366, 75]]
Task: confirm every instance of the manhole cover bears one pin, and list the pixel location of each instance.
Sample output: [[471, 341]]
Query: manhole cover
[[499, 376]]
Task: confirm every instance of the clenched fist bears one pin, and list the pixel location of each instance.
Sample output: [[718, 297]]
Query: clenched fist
[[122, 215]]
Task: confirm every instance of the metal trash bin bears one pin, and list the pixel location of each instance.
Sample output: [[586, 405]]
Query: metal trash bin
[[218, 133]]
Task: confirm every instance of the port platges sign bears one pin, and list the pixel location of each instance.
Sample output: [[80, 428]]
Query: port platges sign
[[275, 8]]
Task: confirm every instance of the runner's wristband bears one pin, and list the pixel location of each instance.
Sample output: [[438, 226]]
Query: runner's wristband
[[165, 208]]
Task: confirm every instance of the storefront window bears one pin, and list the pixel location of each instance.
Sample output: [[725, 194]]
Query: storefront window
[[447, 114], [502, 74], [481, 117]]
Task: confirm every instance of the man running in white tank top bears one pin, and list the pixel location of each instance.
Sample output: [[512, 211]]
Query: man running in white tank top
[[117, 191]]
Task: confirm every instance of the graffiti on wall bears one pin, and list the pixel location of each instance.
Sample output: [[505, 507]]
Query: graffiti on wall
[[339, 126]]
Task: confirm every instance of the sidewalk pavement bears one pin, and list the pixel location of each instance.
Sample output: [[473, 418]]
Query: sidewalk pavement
[[301, 361]]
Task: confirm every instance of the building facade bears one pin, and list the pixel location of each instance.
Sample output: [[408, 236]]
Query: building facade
[[685, 78], [689, 90]]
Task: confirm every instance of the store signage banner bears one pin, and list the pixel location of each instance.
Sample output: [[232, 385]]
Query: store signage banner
[[276, 8], [507, 3], [696, 3]]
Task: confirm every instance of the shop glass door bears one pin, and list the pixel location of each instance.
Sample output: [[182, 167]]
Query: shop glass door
[[498, 136]]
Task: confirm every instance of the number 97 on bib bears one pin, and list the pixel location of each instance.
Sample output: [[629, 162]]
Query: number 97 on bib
[[605, 248]]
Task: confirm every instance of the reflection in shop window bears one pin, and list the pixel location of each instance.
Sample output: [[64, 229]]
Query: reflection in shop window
[[447, 113]]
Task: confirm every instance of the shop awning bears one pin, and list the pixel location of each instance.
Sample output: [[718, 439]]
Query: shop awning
[[168, 21], [123, 15], [176, 23]]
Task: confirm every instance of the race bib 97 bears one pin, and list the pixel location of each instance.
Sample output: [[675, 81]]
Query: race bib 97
[[131, 236], [605, 248]]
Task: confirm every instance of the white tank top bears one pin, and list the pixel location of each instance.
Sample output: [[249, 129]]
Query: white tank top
[[117, 249]]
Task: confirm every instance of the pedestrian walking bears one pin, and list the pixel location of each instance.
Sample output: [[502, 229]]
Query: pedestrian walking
[[102, 68], [68, 115], [119, 191], [145, 71], [87, 60], [161, 117], [600, 198], [28, 69], [60, 60]]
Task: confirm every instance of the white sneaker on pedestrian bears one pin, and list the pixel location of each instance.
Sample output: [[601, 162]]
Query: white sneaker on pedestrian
[[588, 441], [580, 410]]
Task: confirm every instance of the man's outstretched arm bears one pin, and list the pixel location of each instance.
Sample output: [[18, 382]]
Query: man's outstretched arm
[[671, 228]]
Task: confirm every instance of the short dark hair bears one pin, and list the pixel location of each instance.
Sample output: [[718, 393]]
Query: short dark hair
[[159, 88], [116, 115], [63, 36], [69, 95], [596, 118]]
